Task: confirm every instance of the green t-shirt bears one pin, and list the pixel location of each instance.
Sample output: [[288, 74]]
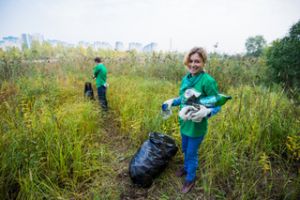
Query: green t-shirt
[[207, 86], [100, 72]]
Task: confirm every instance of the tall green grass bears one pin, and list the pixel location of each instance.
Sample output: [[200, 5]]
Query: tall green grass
[[52, 140], [246, 145], [245, 148], [138, 104]]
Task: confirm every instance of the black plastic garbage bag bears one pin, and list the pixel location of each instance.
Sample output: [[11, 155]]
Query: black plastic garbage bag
[[151, 159], [88, 91]]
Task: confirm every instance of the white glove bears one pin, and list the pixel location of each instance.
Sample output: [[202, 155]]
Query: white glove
[[106, 85], [200, 114], [186, 112], [191, 92], [167, 104]]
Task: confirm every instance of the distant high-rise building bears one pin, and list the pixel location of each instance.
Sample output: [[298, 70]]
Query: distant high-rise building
[[59, 42], [135, 46], [102, 45], [84, 44], [37, 37], [2, 46], [26, 40], [150, 47], [119, 46], [11, 41], [53, 42]]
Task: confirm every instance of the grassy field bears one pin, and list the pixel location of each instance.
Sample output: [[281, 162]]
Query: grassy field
[[57, 145]]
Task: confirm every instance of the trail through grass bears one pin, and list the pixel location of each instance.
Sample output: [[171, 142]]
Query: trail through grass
[[166, 186]]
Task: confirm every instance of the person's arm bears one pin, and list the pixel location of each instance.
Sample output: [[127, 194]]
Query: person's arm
[[171, 102], [211, 89], [214, 111], [96, 71], [176, 101]]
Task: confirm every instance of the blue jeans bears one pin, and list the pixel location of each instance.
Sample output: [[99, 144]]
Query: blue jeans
[[190, 146], [102, 97]]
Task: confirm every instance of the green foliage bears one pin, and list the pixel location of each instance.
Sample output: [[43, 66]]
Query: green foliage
[[166, 66], [50, 139], [56, 145], [237, 70], [255, 45], [283, 57], [246, 140], [138, 102], [10, 64]]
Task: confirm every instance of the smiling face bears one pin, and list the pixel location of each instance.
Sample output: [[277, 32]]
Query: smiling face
[[195, 64]]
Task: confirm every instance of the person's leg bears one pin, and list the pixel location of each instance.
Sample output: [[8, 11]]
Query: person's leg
[[184, 145], [182, 170], [191, 157], [102, 97]]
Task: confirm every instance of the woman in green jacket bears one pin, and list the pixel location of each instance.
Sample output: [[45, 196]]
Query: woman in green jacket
[[193, 122]]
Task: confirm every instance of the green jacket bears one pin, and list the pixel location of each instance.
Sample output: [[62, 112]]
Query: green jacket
[[207, 86], [100, 72]]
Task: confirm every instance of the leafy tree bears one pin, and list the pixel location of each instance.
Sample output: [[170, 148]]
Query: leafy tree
[[283, 57], [255, 45]]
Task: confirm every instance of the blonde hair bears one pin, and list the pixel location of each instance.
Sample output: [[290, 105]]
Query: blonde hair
[[199, 50]]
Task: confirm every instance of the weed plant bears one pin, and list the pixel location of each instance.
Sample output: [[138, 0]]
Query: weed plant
[[54, 143]]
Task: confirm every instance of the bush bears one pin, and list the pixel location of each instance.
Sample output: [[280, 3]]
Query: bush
[[283, 57]]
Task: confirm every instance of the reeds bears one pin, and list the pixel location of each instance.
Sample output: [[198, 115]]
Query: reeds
[[55, 144]]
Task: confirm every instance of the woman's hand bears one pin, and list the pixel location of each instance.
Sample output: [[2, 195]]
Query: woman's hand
[[200, 114], [186, 112]]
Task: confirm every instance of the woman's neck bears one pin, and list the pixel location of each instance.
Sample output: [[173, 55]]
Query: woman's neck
[[197, 73]]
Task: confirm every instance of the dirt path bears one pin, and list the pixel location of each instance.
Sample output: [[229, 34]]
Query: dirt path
[[121, 148], [166, 186]]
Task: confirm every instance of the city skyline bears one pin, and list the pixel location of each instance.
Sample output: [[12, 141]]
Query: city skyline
[[173, 25], [27, 39]]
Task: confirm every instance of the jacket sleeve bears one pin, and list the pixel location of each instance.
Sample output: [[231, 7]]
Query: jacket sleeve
[[176, 101], [214, 111], [211, 89], [96, 71]]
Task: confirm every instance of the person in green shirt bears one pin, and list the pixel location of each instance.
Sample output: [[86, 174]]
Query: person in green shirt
[[100, 75], [193, 121]]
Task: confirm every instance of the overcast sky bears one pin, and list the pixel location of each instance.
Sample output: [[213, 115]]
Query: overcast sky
[[172, 24]]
